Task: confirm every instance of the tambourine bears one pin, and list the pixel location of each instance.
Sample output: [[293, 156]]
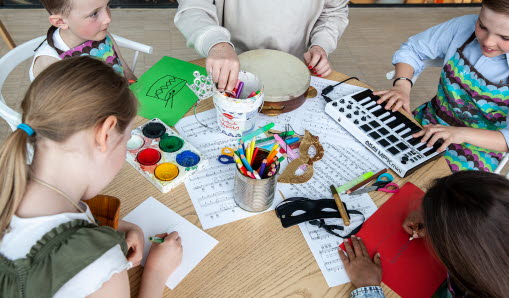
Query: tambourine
[[285, 78]]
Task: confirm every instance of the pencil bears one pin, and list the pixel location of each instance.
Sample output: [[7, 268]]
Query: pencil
[[156, 239], [273, 152], [246, 164], [254, 155], [361, 184], [242, 169], [251, 150], [341, 208], [262, 167]]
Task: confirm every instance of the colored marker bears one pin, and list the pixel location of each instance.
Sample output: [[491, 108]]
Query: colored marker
[[156, 239], [361, 184], [353, 182], [239, 89], [252, 94], [295, 145], [283, 134], [283, 145], [259, 131]]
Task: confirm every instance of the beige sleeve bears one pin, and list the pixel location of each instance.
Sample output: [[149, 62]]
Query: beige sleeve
[[198, 21], [330, 25]]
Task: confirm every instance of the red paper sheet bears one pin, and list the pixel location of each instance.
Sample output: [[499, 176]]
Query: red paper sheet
[[408, 267]]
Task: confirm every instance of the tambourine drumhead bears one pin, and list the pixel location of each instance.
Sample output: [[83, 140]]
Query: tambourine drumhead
[[284, 76]]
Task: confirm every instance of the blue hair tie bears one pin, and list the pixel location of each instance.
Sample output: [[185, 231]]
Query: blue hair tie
[[27, 129]]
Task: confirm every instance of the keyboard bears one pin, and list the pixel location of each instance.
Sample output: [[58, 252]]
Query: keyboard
[[385, 133]]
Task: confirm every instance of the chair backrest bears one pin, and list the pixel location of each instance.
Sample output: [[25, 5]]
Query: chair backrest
[[7, 64], [26, 50]]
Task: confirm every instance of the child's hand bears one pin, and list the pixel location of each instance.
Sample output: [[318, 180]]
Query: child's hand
[[134, 239], [316, 60], [414, 224], [396, 97], [450, 135], [358, 265], [223, 65], [164, 258], [135, 243]]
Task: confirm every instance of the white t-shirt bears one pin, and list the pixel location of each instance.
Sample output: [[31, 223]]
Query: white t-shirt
[[46, 50], [25, 232]]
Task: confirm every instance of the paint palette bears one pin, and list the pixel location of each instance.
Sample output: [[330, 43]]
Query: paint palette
[[162, 156]]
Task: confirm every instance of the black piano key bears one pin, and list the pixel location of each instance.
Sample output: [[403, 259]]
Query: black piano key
[[374, 135], [393, 150], [414, 141], [386, 117], [394, 123], [392, 138], [383, 131], [360, 96], [374, 124], [384, 143], [435, 148], [402, 146], [365, 127], [378, 113]]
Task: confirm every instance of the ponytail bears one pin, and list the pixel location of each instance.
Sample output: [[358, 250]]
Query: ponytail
[[13, 176], [67, 97]]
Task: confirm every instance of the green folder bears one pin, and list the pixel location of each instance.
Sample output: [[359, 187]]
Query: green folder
[[163, 92]]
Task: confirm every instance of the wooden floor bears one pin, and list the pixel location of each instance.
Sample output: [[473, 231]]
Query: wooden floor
[[364, 51]]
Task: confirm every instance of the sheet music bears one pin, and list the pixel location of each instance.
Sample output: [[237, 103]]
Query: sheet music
[[339, 165], [211, 189]]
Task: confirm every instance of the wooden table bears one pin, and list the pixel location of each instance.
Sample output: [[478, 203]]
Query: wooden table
[[256, 256]]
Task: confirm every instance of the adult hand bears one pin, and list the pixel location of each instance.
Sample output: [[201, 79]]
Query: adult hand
[[358, 265], [316, 60], [433, 132], [135, 241], [223, 64], [414, 224], [165, 257], [396, 97]]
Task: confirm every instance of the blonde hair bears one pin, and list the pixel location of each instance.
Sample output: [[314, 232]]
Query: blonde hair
[[69, 96], [62, 7]]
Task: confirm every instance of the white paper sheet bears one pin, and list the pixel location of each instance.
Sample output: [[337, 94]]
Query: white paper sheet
[[211, 189], [153, 218]]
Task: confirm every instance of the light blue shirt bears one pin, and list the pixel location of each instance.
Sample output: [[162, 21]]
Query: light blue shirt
[[443, 40]]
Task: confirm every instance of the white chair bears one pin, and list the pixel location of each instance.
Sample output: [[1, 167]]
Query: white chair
[[26, 50], [439, 63]]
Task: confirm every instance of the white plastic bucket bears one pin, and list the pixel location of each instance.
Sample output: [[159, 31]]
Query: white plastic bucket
[[237, 116]]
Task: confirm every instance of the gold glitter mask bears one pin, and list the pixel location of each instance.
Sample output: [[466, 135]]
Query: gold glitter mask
[[289, 175]]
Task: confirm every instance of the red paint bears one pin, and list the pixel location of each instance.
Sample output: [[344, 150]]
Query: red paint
[[149, 156]]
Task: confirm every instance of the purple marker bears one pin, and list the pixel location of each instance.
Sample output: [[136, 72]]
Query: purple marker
[[239, 89]]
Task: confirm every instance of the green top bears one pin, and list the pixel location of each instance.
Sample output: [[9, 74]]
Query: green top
[[56, 258]]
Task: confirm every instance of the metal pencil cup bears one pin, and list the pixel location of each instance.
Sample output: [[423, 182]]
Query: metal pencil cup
[[254, 195]]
